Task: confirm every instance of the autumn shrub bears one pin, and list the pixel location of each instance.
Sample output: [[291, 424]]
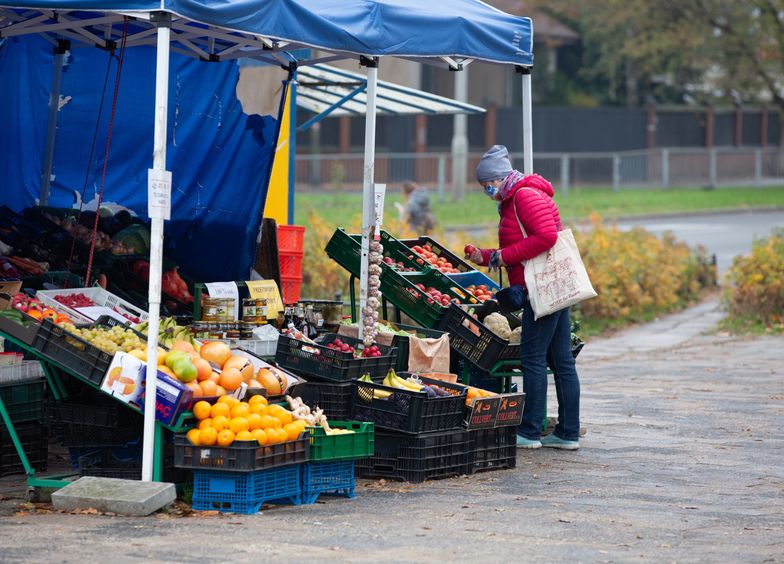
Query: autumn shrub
[[754, 287]]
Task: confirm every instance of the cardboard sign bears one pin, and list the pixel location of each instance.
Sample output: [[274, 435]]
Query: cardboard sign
[[126, 379], [267, 290], [484, 412], [510, 410]]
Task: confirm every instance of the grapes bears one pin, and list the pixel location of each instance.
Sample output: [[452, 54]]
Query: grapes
[[109, 340]]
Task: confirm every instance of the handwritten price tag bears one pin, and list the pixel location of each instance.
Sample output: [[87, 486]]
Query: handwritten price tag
[[267, 290], [225, 290]]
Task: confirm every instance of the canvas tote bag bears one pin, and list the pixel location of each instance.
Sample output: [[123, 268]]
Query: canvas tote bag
[[556, 279]]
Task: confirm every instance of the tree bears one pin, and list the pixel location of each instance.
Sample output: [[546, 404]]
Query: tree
[[701, 51]]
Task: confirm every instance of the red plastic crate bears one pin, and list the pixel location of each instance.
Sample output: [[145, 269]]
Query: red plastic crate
[[290, 289], [291, 238], [291, 265]]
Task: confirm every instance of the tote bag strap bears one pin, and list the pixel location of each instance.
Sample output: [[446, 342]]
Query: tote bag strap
[[517, 217]]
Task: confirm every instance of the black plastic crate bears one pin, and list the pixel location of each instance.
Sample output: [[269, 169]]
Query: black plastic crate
[[471, 338], [94, 424], [24, 399], [401, 342], [240, 456], [334, 399], [72, 352], [329, 364], [493, 449], [416, 458], [104, 463], [34, 442], [408, 411]]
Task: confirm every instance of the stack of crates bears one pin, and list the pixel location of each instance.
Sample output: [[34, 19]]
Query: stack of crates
[[22, 390], [291, 240]]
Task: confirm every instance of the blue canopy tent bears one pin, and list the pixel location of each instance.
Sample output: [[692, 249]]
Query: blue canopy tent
[[450, 34]]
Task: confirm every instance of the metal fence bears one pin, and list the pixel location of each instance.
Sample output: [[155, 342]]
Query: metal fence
[[655, 168]]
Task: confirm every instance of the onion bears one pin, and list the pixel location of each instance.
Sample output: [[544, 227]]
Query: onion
[[374, 270], [374, 281]]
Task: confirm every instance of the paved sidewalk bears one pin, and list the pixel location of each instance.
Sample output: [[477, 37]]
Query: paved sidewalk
[[683, 462]]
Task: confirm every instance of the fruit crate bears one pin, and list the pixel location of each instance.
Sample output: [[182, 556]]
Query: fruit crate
[[416, 458], [401, 290], [23, 397], [350, 446], [440, 251], [318, 361], [401, 342], [98, 295], [474, 278], [72, 352], [240, 456], [333, 399], [346, 249], [291, 238], [35, 445], [408, 411], [327, 478], [25, 334], [290, 264], [246, 492], [471, 338], [493, 449], [398, 252], [122, 278]]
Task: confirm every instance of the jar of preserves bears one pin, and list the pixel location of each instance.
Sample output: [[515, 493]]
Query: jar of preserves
[[246, 330], [249, 310], [233, 332], [209, 313], [261, 311]]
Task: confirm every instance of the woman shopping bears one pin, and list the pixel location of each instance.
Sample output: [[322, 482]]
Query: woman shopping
[[525, 202]]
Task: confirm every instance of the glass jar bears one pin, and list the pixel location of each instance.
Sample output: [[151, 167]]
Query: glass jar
[[249, 310], [261, 311], [209, 312], [216, 332], [246, 331], [233, 332]]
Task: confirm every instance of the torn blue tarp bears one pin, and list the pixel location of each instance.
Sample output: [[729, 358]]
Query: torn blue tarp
[[219, 156]]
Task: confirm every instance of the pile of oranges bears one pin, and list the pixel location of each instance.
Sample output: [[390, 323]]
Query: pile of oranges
[[230, 420]]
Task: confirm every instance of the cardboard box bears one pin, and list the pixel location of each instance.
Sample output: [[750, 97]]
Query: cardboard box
[[7, 290], [384, 339], [126, 379]]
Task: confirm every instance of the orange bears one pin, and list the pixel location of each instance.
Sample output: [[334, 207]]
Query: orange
[[225, 437], [260, 436], [202, 410], [257, 399], [229, 400], [292, 431], [205, 423], [193, 436], [272, 436], [301, 424], [244, 436], [240, 410], [208, 436], [268, 422], [258, 408], [221, 391], [282, 435], [220, 409], [238, 424], [283, 416], [276, 423], [230, 378], [254, 421], [220, 423], [208, 388]]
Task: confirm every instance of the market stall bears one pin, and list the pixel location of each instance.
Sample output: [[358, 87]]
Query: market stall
[[457, 35]]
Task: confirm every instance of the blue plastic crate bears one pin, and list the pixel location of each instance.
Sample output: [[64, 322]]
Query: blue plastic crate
[[327, 478], [246, 492], [475, 278]]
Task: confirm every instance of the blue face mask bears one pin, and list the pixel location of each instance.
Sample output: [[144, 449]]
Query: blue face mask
[[491, 191]]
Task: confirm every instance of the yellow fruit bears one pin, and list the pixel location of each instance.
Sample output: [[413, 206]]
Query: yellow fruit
[[283, 416], [225, 437], [193, 436], [220, 423], [238, 424], [254, 421], [244, 436], [220, 408], [260, 436], [268, 422], [240, 410], [258, 408], [205, 424], [202, 410], [292, 431], [257, 399], [229, 400], [208, 437]]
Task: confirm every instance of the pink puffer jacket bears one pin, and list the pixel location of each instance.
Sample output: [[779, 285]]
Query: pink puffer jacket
[[540, 218]]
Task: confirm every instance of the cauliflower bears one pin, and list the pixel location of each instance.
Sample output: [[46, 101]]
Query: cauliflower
[[499, 325], [514, 338]]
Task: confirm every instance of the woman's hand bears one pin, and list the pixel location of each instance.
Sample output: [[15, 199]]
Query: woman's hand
[[473, 254]]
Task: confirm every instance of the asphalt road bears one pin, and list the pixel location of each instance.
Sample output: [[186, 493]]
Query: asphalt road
[[724, 234]]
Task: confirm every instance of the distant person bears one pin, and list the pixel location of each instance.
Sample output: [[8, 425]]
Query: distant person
[[529, 226], [416, 211]]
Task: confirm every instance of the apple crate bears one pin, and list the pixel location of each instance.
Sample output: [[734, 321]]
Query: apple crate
[[346, 249], [99, 296], [440, 251], [322, 363], [401, 290]]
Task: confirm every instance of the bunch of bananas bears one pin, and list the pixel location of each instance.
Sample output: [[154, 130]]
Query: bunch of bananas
[[394, 381], [169, 332]]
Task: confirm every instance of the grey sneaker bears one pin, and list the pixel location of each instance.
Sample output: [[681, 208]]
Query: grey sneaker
[[522, 442], [552, 441]]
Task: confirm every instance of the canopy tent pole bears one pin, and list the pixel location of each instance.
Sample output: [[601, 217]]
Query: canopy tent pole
[[528, 130], [367, 184], [460, 138], [54, 109], [163, 22]]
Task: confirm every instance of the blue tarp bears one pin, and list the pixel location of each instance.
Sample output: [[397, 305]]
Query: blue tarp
[[219, 156], [462, 28]]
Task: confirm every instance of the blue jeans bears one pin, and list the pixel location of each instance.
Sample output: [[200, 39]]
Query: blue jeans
[[544, 342]]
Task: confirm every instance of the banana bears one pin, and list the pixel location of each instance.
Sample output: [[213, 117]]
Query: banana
[[407, 384], [381, 394]]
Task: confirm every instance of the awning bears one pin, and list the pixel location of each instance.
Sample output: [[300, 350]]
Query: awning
[[329, 91]]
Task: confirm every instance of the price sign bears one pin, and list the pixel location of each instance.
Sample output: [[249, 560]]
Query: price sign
[[159, 193], [266, 290], [379, 192], [225, 290], [510, 409], [483, 413]]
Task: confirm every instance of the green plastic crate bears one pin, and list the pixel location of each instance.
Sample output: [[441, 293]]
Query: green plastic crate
[[359, 444], [346, 249], [24, 400]]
